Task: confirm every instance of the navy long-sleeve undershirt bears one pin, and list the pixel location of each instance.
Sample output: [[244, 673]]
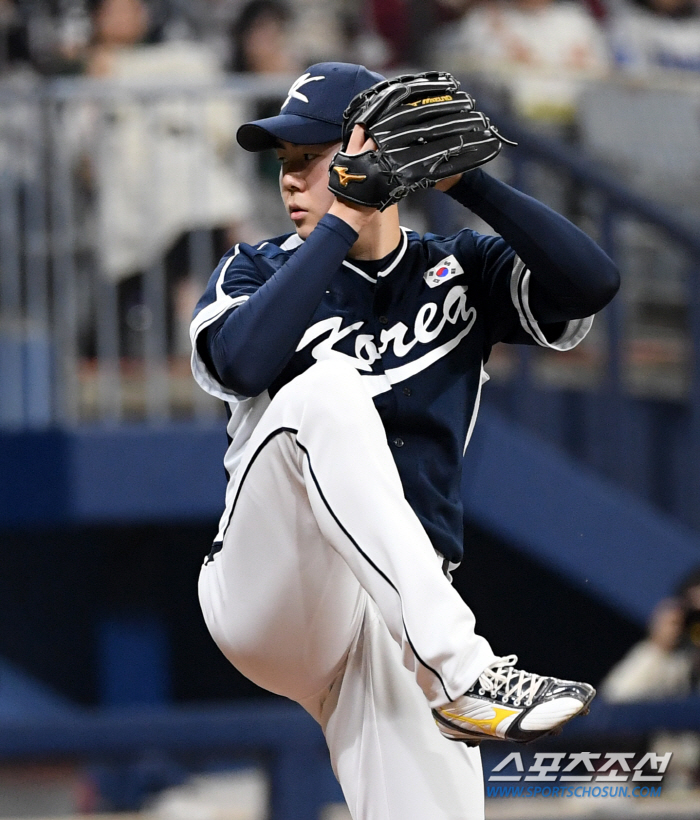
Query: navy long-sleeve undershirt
[[571, 277], [249, 347]]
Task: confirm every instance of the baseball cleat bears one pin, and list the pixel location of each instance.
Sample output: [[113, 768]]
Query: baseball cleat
[[505, 703]]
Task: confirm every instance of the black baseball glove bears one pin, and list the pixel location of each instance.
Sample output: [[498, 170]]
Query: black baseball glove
[[425, 128]]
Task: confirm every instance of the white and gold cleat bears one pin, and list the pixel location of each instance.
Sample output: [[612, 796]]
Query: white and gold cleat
[[506, 703]]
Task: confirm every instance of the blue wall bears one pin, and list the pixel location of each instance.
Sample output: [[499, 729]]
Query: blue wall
[[123, 474], [568, 518]]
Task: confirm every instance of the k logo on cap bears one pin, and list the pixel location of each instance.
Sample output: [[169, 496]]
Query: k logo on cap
[[295, 94], [312, 113]]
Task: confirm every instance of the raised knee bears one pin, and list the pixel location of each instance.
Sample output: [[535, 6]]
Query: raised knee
[[265, 662], [331, 386], [332, 373], [238, 640]]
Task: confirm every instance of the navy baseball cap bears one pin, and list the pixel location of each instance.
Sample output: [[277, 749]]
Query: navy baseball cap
[[313, 110]]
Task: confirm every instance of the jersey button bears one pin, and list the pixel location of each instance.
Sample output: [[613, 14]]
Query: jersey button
[[407, 391], [383, 320], [398, 442]]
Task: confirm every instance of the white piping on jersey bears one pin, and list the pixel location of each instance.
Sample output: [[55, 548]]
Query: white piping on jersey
[[475, 410], [291, 242], [399, 256], [295, 240], [206, 316], [220, 280], [361, 272], [245, 416], [388, 270], [575, 330], [222, 303]]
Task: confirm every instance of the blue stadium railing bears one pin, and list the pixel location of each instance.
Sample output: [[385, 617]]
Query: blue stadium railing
[[280, 738]]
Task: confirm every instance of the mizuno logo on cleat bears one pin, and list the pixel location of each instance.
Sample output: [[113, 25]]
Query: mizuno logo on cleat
[[488, 725], [344, 177]]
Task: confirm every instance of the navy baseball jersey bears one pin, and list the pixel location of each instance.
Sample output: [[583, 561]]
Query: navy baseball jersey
[[418, 326]]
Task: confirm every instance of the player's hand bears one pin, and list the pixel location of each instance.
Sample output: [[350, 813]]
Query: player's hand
[[357, 216], [359, 142]]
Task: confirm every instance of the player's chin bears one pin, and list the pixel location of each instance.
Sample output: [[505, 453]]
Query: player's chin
[[305, 224]]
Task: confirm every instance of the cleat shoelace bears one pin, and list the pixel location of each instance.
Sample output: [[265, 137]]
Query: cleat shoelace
[[515, 684]]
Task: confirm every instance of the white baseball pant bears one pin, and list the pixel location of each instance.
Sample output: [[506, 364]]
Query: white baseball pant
[[328, 591]]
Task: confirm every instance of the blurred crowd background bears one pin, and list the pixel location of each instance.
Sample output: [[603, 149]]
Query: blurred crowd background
[[58, 37], [121, 184], [95, 148]]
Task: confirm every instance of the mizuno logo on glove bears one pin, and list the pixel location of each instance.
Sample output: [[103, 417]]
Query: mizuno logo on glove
[[428, 100], [344, 177]]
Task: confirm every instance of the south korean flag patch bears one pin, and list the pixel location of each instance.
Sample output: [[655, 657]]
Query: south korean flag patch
[[446, 269]]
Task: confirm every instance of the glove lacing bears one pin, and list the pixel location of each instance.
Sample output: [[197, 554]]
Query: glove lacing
[[387, 167], [501, 675], [385, 164], [448, 153], [500, 136]]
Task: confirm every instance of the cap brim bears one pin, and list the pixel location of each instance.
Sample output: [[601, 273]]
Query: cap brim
[[262, 134]]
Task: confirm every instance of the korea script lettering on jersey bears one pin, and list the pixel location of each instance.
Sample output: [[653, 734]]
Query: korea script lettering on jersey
[[418, 327], [428, 326]]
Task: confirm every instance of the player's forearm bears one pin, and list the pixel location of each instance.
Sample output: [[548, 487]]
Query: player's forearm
[[571, 277], [252, 344]]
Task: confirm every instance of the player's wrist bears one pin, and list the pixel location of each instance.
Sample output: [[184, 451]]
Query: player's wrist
[[471, 187], [357, 216]]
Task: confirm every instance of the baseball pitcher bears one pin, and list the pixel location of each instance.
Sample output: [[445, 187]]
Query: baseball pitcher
[[350, 353]]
